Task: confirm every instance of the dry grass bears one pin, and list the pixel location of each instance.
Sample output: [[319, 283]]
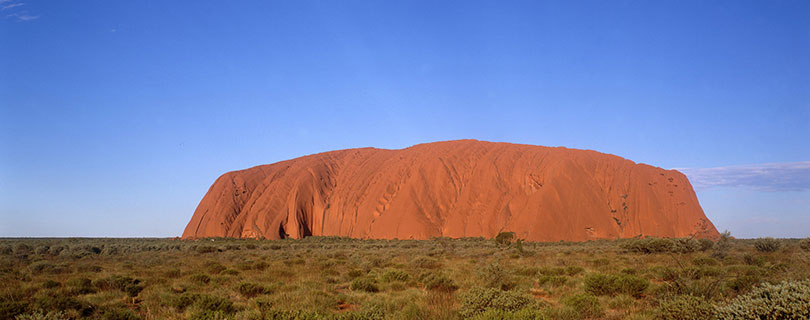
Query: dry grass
[[326, 277]]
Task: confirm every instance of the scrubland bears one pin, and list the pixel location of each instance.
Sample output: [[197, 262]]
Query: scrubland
[[340, 278]]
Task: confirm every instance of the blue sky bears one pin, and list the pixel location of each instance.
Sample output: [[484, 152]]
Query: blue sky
[[116, 116]]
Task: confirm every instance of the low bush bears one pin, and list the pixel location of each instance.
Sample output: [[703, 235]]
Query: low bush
[[120, 313], [706, 244], [785, 300], [549, 271], [574, 270], [114, 282], [45, 267], [207, 304], [478, 300], [38, 315], [648, 245], [685, 307], [59, 302], [767, 244], [426, 263], [584, 305], [364, 284], [215, 267], [522, 314], [206, 249], [250, 289], [435, 281], [49, 284], [505, 238], [608, 284], [78, 286], [493, 276], [705, 261], [200, 278], [132, 287], [204, 303], [395, 275], [23, 249], [686, 245], [554, 281], [722, 246]]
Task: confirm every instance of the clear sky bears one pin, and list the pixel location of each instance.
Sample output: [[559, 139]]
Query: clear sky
[[116, 116]]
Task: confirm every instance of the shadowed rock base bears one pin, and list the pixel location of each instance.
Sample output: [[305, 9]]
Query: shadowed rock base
[[463, 188]]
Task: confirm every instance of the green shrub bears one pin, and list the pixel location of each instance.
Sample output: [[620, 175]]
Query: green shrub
[[522, 314], [686, 245], [59, 302], [554, 281], [80, 286], [114, 282], [648, 245], [45, 267], [426, 263], [685, 307], [23, 249], [705, 261], [706, 244], [117, 314], [722, 246], [608, 284], [79, 282], [754, 260], [364, 284], [505, 238], [49, 284], [208, 303], [804, 244], [200, 278], [249, 289], [786, 300], [743, 282], [526, 271], [182, 301], [767, 244], [354, 273], [206, 249], [261, 265], [395, 275], [133, 289], [584, 305], [435, 281], [574, 270], [89, 268], [229, 272], [38, 315], [479, 300], [548, 271], [215, 267], [493, 276]]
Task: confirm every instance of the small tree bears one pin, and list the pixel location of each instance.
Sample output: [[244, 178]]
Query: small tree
[[722, 246], [505, 238], [805, 244], [767, 245]]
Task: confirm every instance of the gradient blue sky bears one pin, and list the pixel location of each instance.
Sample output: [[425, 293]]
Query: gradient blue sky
[[116, 116]]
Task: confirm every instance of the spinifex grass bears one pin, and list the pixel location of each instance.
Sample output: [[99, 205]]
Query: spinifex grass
[[339, 278]]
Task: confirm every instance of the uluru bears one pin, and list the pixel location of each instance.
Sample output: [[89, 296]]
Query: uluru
[[463, 188]]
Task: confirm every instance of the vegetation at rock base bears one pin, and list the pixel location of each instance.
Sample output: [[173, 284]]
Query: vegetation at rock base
[[340, 278]]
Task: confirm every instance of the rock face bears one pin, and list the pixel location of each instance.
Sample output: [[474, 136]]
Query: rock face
[[463, 188]]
